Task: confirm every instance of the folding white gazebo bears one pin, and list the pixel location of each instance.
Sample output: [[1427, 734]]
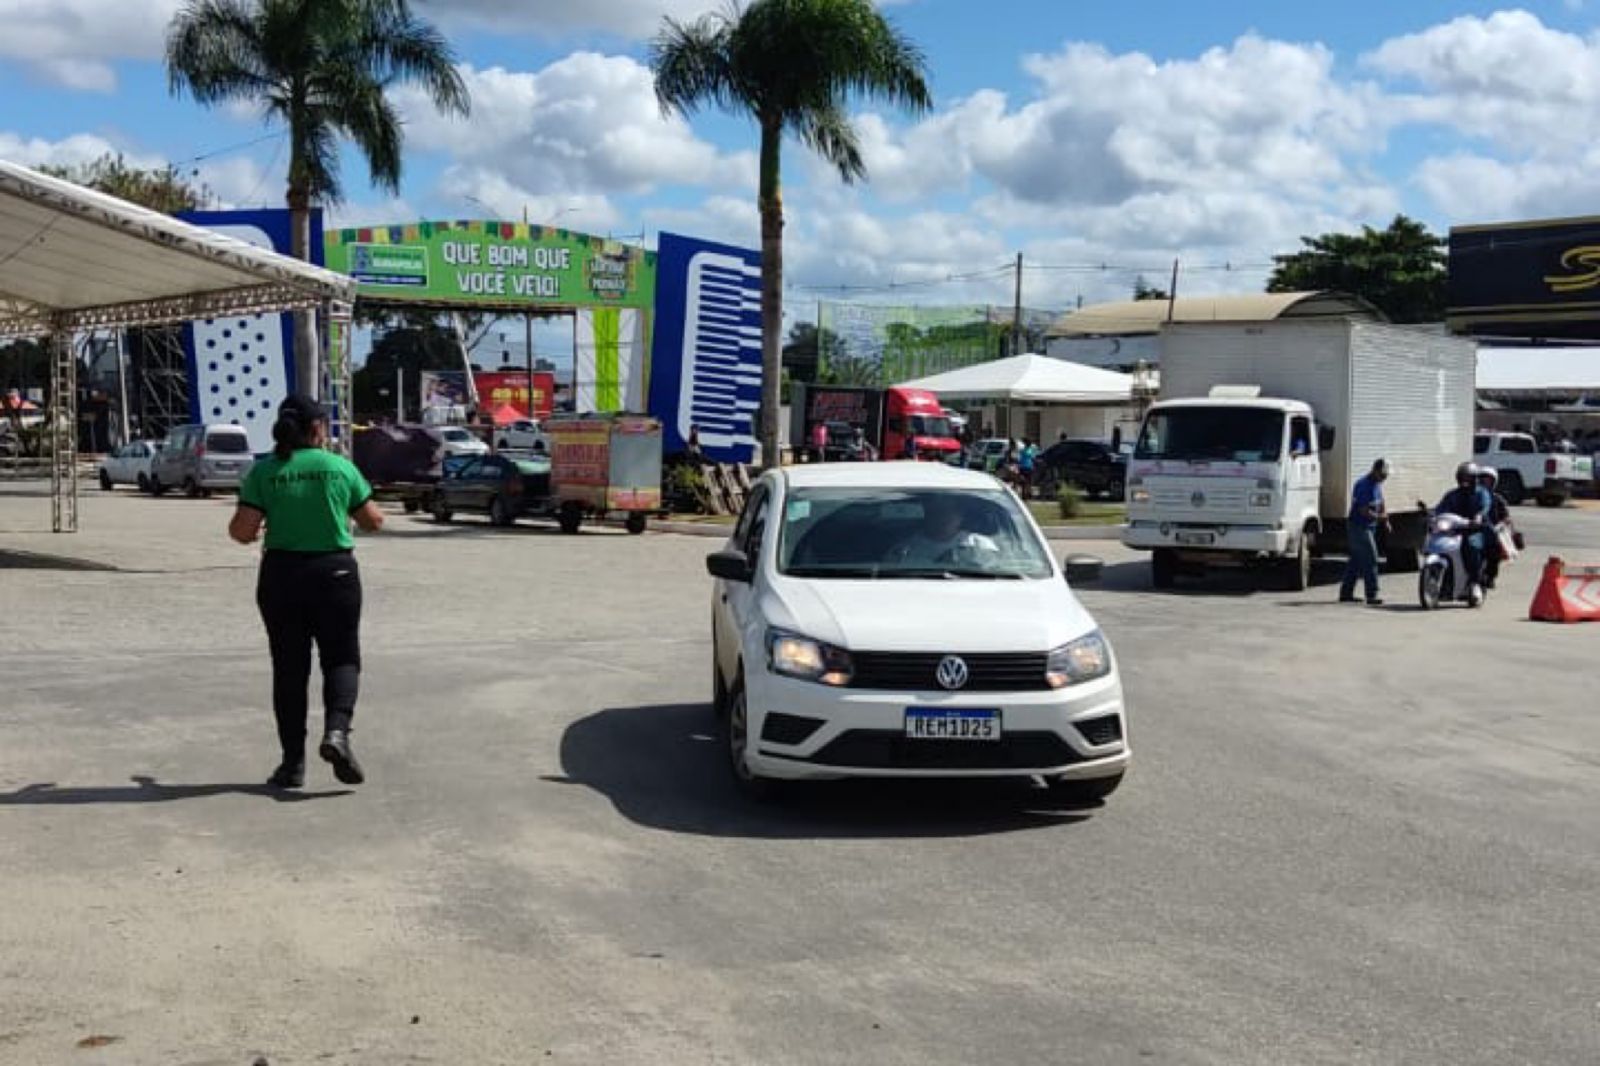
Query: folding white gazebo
[[75, 260]]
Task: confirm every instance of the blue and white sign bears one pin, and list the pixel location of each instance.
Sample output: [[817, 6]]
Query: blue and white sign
[[240, 369], [705, 363]]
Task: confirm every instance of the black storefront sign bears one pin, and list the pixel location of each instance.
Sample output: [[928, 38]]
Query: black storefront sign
[[1526, 279]]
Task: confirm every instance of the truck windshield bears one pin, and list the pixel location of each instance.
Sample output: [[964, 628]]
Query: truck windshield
[[930, 426], [1212, 434], [885, 534]]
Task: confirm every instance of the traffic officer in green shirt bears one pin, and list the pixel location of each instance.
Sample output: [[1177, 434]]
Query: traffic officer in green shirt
[[309, 589]]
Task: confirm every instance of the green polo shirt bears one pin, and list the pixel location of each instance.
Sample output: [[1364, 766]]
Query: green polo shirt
[[307, 498]]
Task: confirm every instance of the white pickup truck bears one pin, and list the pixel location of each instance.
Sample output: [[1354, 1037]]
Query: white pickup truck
[[1549, 477]]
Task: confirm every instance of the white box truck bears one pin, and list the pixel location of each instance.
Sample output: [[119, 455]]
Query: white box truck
[[1261, 431]]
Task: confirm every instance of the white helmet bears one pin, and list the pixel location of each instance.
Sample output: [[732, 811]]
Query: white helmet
[[1491, 475]]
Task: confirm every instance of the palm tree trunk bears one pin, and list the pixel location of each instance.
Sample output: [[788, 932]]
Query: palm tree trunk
[[771, 204], [307, 371]]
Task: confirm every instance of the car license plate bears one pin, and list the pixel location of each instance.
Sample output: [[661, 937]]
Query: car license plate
[[1190, 537], [927, 723]]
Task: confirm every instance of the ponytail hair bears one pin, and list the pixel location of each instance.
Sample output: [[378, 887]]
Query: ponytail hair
[[296, 425]]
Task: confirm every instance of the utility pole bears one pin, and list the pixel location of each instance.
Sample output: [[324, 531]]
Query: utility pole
[[1172, 293], [1016, 313]]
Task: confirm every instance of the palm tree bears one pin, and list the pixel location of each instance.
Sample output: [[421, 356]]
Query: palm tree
[[321, 68], [792, 66]]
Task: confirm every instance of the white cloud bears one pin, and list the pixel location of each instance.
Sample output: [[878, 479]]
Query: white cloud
[[74, 43], [73, 150], [476, 190], [586, 124]]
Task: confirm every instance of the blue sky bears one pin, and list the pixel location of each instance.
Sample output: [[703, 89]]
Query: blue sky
[[1079, 133]]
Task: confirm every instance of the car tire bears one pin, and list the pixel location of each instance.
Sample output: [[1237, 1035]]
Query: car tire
[[1083, 792], [719, 687], [157, 488], [442, 514], [635, 524], [503, 444], [105, 481], [737, 734], [1163, 568], [500, 513], [1512, 489], [191, 488], [411, 504], [144, 483], [1550, 499], [1116, 490], [570, 519]]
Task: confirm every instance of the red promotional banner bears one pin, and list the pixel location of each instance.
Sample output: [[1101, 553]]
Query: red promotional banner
[[501, 388]]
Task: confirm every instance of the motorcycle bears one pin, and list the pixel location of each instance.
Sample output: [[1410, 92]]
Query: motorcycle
[[1444, 572]]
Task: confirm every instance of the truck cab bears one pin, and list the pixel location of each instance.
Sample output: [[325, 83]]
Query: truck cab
[[1229, 478], [915, 422]]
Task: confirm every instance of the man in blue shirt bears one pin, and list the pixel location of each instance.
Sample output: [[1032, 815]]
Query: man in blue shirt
[[1471, 501], [1366, 511]]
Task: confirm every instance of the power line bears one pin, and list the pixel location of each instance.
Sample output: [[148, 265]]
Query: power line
[[230, 148], [898, 286]]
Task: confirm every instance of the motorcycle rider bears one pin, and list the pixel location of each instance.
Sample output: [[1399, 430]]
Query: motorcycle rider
[[1499, 519], [1471, 501]]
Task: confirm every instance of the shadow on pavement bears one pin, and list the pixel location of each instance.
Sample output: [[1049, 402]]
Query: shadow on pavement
[[149, 790], [663, 767], [1222, 581]]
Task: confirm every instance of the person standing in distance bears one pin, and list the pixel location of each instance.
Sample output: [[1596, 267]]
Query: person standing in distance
[[309, 589], [1366, 511]]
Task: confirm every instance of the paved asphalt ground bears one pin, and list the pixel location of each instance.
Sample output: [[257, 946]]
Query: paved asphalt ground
[[1350, 836]]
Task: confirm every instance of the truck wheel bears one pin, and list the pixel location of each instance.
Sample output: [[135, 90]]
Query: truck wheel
[[1512, 489], [1117, 491], [570, 519], [1297, 568], [635, 523], [1163, 568], [1551, 499]]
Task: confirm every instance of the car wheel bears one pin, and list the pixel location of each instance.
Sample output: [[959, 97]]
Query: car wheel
[[570, 519], [500, 513], [1116, 490], [635, 523], [105, 481], [750, 784], [144, 483], [1163, 568], [156, 487], [411, 504], [1083, 792], [719, 687], [441, 513], [191, 488], [1512, 489]]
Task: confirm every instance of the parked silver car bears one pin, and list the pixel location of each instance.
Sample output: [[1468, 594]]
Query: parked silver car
[[200, 459]]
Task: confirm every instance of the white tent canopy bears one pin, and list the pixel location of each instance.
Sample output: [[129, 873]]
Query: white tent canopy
[[74, 259], [1030, 379]]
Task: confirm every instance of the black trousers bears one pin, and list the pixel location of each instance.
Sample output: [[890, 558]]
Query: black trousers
[[304, 600]]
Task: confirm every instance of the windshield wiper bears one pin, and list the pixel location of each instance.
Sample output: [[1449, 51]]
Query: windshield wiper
[[833, 571], [953, 573]]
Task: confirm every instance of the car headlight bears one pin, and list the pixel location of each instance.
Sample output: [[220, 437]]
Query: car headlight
[[1261, 499], [1139, 496], [1085, 659], [792, 655]]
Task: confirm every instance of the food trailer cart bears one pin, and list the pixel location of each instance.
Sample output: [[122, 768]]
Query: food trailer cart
[[605, 464]]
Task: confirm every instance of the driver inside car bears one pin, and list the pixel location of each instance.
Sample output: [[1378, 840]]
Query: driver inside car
[[943, 538]]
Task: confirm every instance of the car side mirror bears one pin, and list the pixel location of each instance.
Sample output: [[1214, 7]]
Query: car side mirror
[[1325, 436], [730, 565], [1081, 569]]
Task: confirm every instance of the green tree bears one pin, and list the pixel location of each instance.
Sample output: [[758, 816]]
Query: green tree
[[1143, 290], [160, 189], [791, 66], [1400, 270], [323, 70], [803, 353]]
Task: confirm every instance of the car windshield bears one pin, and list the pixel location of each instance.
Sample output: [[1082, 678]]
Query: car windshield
[[227, 443], [1212, 434], [889, 533], [455, 436], [930, 426]]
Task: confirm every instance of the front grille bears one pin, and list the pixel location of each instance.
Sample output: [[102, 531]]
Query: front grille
[[915, 671], [782, 728], [888, 749], [1216, 499], [1101, 731]]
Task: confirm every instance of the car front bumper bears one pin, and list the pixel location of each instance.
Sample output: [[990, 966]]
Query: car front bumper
[[801, 730]]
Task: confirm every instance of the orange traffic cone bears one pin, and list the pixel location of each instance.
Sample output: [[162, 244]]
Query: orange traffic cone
[[1567, 593]]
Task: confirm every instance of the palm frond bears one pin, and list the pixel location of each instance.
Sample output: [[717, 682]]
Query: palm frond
[[214, 52], [403, 48], [693, 66], [830, 133]]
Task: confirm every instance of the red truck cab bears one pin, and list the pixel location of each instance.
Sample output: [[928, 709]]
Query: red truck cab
[[914, 417]]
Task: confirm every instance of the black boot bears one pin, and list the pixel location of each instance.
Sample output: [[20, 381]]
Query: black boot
[[289, 774], [336, 750]]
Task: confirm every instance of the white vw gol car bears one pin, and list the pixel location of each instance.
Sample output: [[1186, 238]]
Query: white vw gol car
[[906, 620]]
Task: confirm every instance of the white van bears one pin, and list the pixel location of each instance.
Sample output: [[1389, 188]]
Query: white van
[[200, 459]]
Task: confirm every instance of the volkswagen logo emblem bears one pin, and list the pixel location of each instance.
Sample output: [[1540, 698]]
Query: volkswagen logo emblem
[[952, 672], [1198, 499]]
